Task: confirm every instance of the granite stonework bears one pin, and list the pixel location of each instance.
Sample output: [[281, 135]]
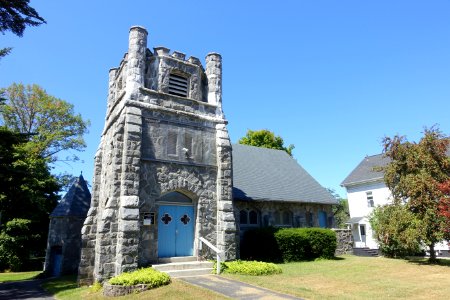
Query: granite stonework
[[344, 239], [156, 142]]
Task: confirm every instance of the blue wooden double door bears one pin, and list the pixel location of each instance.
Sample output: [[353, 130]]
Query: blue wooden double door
[[175, 230]]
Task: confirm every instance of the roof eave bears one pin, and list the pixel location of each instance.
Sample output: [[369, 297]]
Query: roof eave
[[354, 183]]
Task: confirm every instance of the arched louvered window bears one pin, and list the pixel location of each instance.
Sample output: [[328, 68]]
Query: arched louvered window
[[178, 85]]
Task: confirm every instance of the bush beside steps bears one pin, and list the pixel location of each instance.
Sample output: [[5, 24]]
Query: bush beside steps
[[254, 268], [135, 282]]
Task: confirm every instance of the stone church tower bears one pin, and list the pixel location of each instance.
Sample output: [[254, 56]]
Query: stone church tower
[[163, 170]]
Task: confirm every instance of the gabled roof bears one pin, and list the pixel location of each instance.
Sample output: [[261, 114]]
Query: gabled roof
[[365, 172], [76, 202], [263, 174]]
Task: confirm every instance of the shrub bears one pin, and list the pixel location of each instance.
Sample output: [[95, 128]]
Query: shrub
[[260, 244], [306, 243], [289, 244], [148, 276], [15, 244], [396, 229], [255, 268]]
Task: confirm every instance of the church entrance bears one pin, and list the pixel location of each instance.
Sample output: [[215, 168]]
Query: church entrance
[[175, 225]]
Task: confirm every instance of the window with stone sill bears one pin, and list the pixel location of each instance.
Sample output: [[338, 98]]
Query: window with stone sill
[[283, 218], [178, 85], [248, 218], [309, 219]]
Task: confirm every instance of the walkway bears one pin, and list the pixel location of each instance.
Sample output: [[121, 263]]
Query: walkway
[[27, 289], [235, 289]]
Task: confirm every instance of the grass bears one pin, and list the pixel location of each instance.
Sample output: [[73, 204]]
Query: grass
[[348, 277], [66, 288], [353, 277], [19, 276]]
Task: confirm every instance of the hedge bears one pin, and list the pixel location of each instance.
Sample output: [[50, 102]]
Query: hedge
[[254, 268], [288, 244], [149, 276]]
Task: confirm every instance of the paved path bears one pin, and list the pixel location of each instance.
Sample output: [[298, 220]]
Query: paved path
[[234, 289], [27, 289]]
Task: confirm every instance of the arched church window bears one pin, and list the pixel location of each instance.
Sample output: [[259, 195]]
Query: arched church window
[[253, 217], [243, 218], [248, 217]]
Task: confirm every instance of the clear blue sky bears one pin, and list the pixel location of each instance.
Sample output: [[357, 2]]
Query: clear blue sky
[[331, 77]]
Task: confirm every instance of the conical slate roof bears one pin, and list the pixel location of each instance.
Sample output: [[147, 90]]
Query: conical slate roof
[[76, 202]]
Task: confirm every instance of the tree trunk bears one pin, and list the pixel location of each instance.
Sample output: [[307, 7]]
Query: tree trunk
[[432, 253]]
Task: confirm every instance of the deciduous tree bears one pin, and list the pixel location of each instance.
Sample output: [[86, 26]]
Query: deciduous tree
[[265, 139], [27, 191], [414, 175], [52, 124]]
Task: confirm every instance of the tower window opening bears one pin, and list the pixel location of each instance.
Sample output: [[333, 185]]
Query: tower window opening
[[172, 143], [178, 85]]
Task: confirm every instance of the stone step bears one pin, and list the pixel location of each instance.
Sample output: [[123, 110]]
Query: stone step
[[166, 260], [190, 272], [183, 265], [186, 268]]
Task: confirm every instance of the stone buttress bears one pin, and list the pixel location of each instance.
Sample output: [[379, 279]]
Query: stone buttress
[[165, 138]]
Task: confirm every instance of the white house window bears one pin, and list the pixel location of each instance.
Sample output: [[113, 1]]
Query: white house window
[[369, 197], [172, 141], [178, 85], [248, 217], [362, 230]]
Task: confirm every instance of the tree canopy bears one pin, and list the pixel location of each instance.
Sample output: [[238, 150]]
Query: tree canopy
[[28, 192], [265, 139], [16, 15], [414, 175], [50, 122]]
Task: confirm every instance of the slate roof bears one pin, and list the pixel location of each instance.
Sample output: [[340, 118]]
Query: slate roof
[[261, 174], [76, 202], [365, 172]]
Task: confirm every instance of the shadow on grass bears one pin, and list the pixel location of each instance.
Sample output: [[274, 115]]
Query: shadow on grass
[[56, 285], [426, 262], [338, 258]]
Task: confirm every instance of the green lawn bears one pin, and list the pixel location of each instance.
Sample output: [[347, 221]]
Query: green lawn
[[348, 277], [66, 288], [12, 276], [353, 277]]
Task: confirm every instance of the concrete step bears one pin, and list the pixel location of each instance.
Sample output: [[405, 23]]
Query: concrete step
[[183, 265], [186, 268], [190, 272], [166, 260]]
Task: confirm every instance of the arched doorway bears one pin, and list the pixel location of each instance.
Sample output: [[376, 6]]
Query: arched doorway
[[175, 225]]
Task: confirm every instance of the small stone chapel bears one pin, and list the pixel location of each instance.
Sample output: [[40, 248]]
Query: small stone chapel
[[163, 173], [166, 175]]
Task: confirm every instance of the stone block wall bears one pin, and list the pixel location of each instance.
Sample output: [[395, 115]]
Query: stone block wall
[[65, 232], [344, 239], [133, 168]]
